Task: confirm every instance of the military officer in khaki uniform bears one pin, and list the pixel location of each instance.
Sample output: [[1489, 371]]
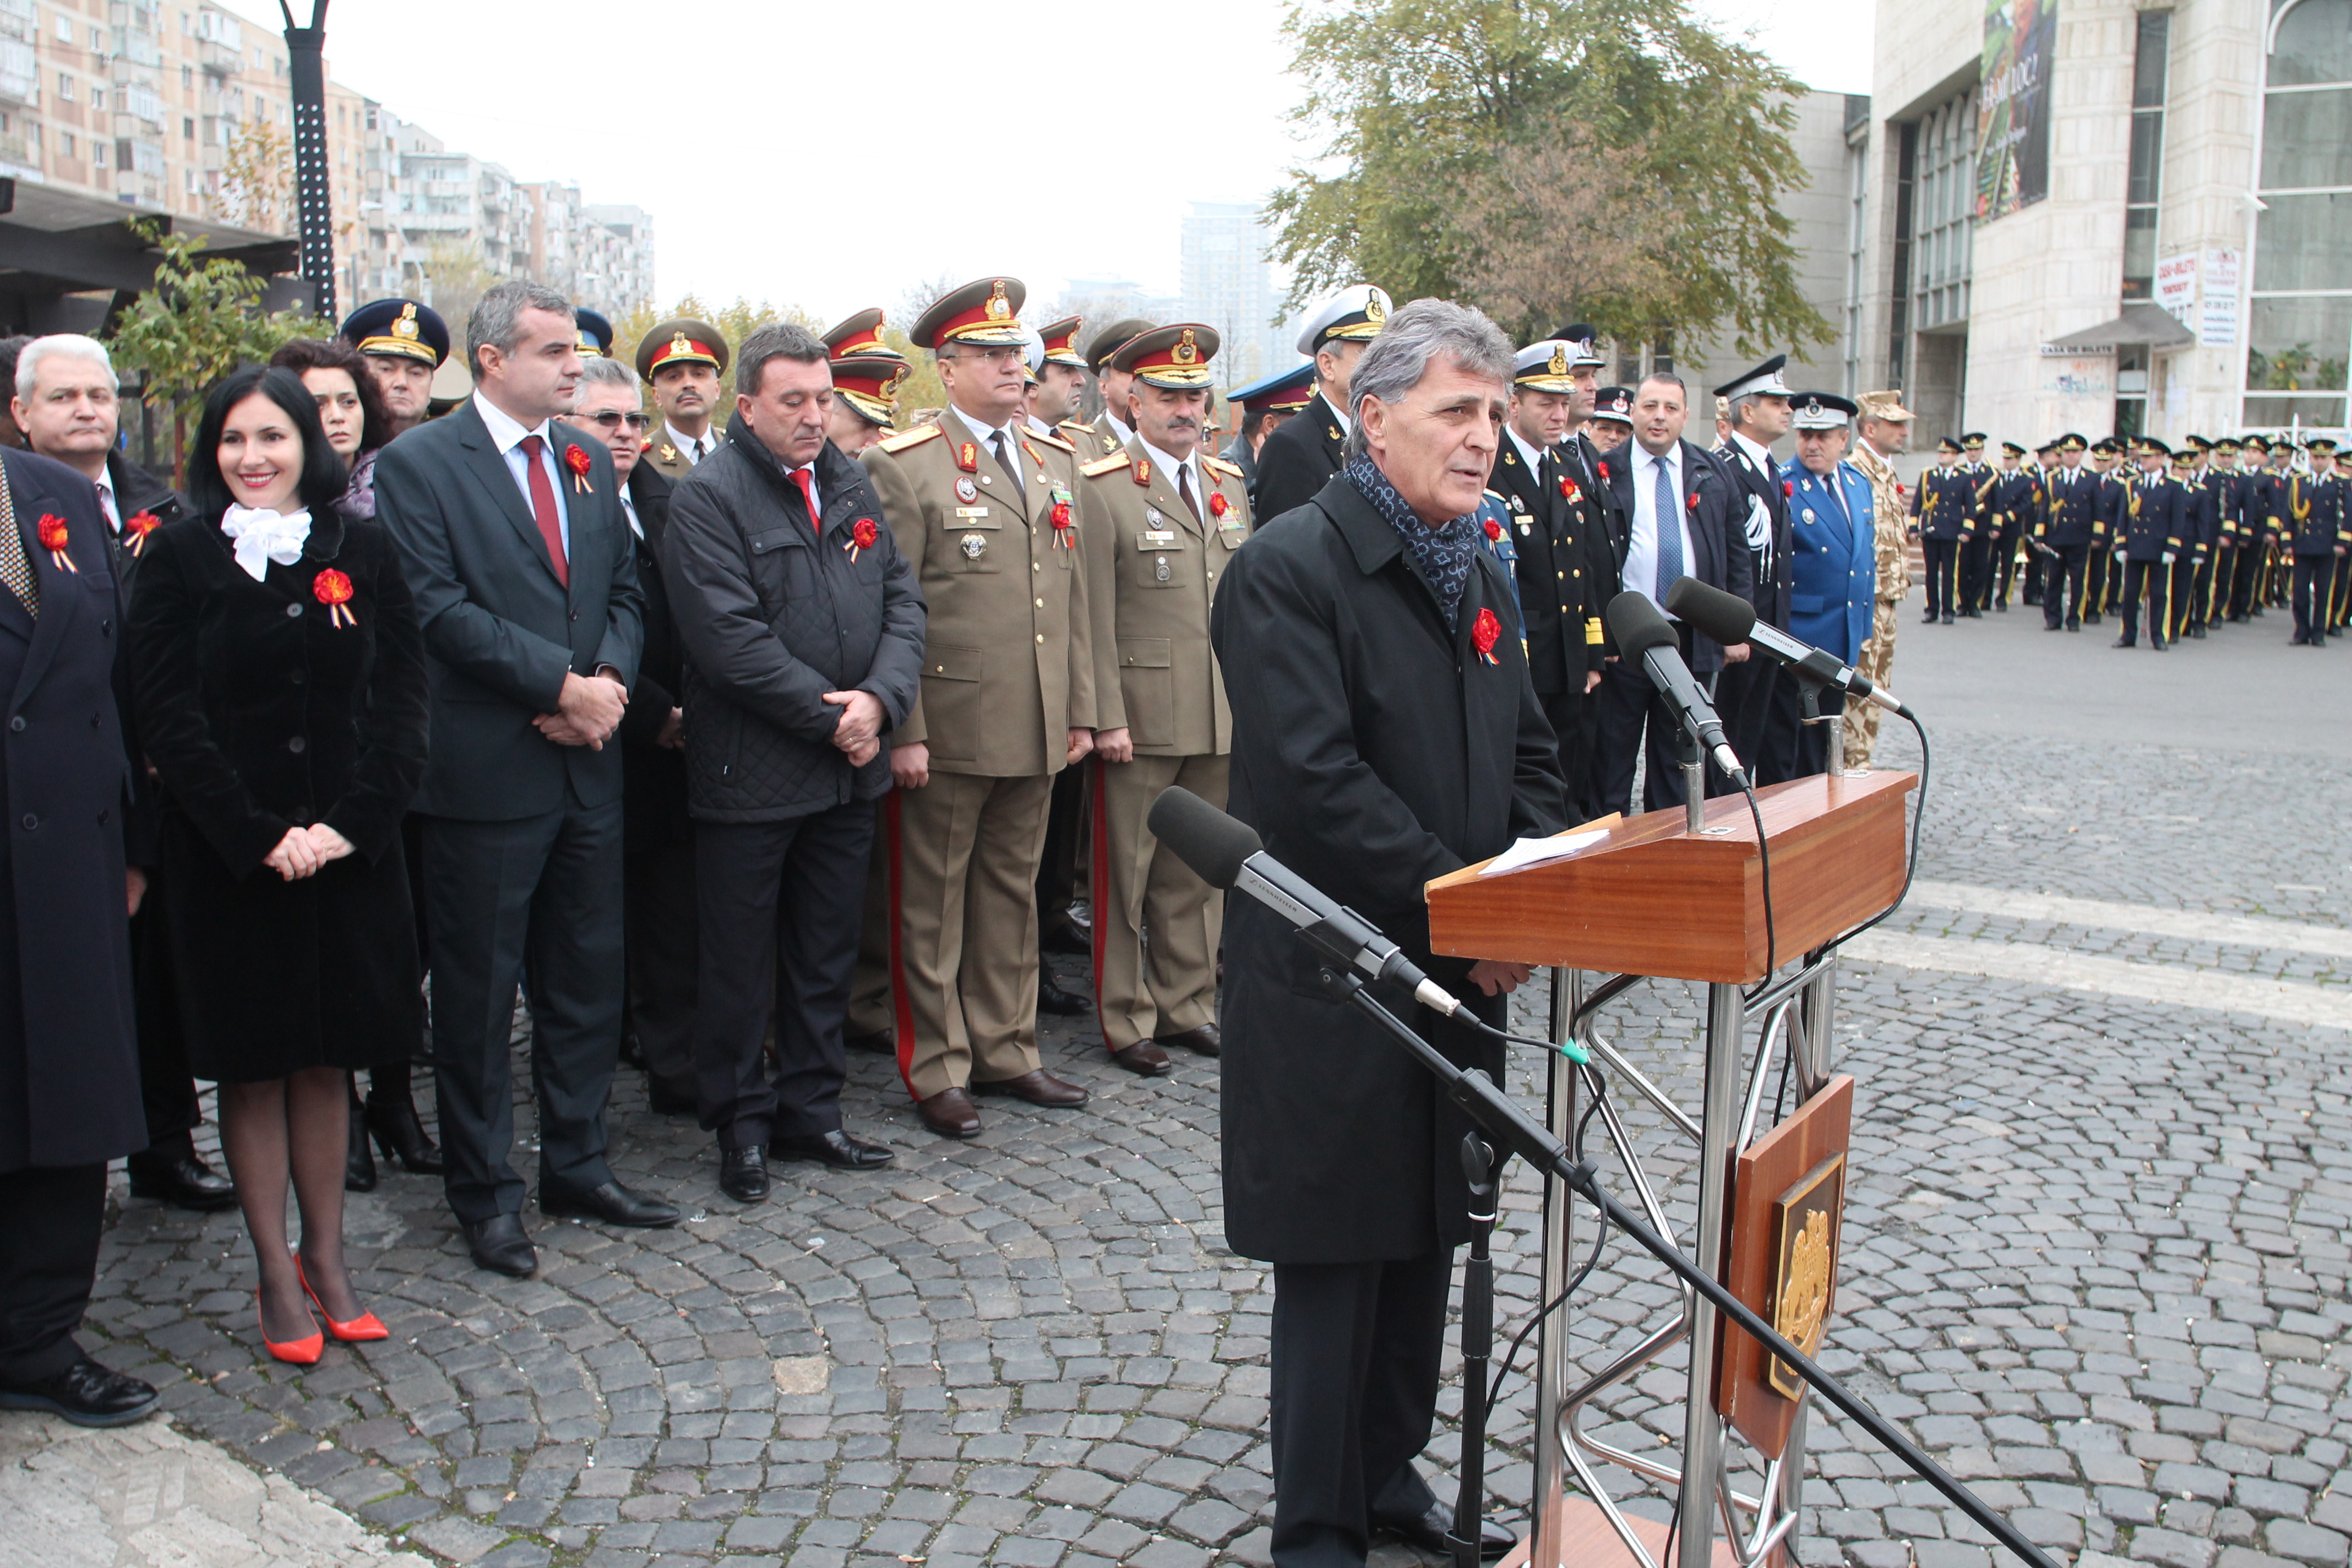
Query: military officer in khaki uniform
[[1177, 516], [1109, 431], [867, 372], [989, 513], [682, 361], [1886, 428]]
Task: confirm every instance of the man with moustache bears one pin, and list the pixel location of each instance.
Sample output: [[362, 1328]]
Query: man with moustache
[[682, 359], [1298, 457], [405, 343]]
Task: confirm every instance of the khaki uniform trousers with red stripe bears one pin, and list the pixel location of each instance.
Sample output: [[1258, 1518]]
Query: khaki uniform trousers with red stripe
[[964, 955], [1146, 990]]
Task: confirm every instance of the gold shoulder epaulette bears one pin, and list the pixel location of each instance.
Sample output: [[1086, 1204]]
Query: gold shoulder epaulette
[[906, 438], [1218, 465], [1109, 465], [1053, 440], [1079, 425]]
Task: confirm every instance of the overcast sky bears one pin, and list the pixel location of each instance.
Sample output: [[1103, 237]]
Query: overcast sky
[[831, 156]]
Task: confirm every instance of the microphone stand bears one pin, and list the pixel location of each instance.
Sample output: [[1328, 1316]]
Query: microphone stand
[[1482, 1170], [1516, 1133]]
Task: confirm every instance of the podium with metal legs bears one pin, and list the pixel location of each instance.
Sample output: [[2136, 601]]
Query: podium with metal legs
[[1677, 895]]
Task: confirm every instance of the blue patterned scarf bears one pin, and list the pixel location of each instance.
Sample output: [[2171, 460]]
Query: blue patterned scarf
[[1443, 554]]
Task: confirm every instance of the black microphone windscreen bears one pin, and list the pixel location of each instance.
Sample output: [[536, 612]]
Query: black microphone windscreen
[[1212, 843], [1725, 617], [1638, 627]]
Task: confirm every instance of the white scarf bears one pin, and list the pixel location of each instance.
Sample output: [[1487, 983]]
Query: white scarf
[[262, 536]]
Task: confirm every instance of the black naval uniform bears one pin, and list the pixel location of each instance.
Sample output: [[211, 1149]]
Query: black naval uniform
[[2016, 500], [1947, 501], [2199, 530], [1759, 719], [2106, 570], [2155, 513], [2073, 527], [1976, 551], [1558, 612], [2311, 514], [2222, 505], [1302, 454]]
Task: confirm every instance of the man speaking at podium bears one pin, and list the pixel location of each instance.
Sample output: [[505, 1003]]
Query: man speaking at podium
[[1385, 733]]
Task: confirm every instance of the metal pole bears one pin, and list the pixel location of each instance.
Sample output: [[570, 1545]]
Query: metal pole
[[1702, 1428], [307, 63], [1552, 1366]]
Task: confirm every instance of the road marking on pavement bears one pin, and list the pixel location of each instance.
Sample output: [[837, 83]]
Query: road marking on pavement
[[2286, 1000], [2239, 930]]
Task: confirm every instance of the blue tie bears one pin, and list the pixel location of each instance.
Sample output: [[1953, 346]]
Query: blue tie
[[1670, 532]]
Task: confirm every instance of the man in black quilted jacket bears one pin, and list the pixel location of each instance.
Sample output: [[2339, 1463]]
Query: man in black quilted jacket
[[804, 633]]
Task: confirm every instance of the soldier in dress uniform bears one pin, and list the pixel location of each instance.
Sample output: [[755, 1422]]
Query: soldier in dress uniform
[[1883, 426], [1108, 433], [2201, 532], [1560, 611], [989, 513], [2036, 523], [1946, 508], [405, 343], [2249, 486], [2105, 586], [1265, 404], [1976, 551], [1762, 730], [2016, 494], [1299, 458], [1176, 515], [2147, 539], [1613, 418], [2273, 582], [2312, 512], [2226, 500], [867, 372], [595, 333], [2336, 487], [2070, 529], [1061, 374], [1833, 546], [682, 361]]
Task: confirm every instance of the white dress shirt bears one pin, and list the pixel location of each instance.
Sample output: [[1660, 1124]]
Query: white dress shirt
[[694, 448], [1126, 432], [1338, 413], [816, 495], [1528, 454], [508, 432], [1641, 572], [629, 510], [106, 499], [987, 434], [1178, 470]]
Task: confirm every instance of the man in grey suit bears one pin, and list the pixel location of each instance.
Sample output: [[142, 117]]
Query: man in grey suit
[[511, 532]]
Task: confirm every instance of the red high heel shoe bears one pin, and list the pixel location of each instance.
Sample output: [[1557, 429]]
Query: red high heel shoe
[[366, 1326], [295, 1352]]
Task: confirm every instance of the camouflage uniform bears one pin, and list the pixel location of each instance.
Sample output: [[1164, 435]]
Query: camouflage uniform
[[1894, 515]]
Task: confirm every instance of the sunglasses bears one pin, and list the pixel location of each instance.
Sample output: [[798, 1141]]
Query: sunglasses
[[612, 419]]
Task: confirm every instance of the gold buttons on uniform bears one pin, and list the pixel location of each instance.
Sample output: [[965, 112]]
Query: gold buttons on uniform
[[1041, 603], [1041, 636]]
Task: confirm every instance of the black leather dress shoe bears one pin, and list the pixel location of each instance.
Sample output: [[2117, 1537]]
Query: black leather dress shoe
[[743, 1173], [400, 1134], [1204, 1041], [1144, 1060], [2123, 642], [1038, 1086], [1052, 998], [612, 1203], [836, 1149], [1430, 1531], [181, 1179], [85, 1394], [1067, 939], [500, 1245], [882, 1042], [359, 1163], [664, 1100]]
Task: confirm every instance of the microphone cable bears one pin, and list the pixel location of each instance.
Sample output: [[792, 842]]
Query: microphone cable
[[1911, 869], [1764, 858], [1599, 1240]]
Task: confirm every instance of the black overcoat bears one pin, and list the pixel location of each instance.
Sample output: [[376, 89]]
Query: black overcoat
[[1372, 750], [68, 1062], [653, 776], [263, 708]]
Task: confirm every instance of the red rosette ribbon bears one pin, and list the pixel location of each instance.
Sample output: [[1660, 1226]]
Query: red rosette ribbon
[[576, 458], [1603, 467], [1569, 491], [1787, 489], [1219, 505], [54, 538], [1063, 527], [1484, 631], [334, 589], [1493, 531], [137, 527], [1693, 502], [862, 536]]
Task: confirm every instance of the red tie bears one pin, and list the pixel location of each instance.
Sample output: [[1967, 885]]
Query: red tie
[[542, 507], [808, 497]]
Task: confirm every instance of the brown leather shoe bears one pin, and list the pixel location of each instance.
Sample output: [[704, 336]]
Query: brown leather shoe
[[1144, 1058], [949, 1114], [1203, 1041], [1038, 1087]]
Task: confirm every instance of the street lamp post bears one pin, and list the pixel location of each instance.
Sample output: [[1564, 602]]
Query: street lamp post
[[306, 48]]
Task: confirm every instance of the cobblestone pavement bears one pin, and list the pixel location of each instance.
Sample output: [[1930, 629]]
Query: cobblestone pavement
[[2096, 1261]]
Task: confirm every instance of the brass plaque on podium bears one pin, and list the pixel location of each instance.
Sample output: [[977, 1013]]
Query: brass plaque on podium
[[1805, 1243]]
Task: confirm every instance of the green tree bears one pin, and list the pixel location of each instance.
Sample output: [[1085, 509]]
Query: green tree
[[200, 320], [1439, 118]]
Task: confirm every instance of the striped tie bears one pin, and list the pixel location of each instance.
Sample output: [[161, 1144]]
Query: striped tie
[[15, 567]]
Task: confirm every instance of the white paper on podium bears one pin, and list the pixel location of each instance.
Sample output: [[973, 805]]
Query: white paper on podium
[[1529, 852]]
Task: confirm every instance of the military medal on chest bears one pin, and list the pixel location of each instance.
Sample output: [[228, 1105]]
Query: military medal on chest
[[966, 491]]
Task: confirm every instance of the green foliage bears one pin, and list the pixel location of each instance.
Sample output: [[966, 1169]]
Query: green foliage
[[201, 319], [1426, 106]]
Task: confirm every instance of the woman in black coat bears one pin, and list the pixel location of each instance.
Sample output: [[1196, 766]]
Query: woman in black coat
[[279, 682]]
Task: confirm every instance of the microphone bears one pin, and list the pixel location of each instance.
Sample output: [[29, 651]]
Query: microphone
[[1225, 852], [1642, 633], [1728, 618]]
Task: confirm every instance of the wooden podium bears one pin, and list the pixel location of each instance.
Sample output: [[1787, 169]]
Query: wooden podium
[[1663, 897]]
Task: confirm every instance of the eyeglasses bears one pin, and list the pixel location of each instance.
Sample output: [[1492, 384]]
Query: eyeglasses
[[997, 358], [613, 418]]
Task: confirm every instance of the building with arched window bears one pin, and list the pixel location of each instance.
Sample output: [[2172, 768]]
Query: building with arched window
[[2101, 216]]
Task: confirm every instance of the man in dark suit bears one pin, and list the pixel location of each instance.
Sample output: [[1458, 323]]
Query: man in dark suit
[[510, 530], [1758, 716], [656, 840], [1306, 451], [69, 1097], [2074, 524], [1674, 513], [1388, 734]]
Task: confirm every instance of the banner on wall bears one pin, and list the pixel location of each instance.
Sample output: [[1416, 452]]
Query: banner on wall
[[2176, 286], [2020, 39], [2217, 323]]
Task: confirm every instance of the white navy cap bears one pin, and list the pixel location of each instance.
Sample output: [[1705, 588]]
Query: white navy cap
[[1764, 380], [1353, 314], [1820, 411], [1545, 366]]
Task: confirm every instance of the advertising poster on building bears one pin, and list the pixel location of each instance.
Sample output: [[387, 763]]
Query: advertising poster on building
[[2217, 325], [2176, 286], [2020, 40]]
